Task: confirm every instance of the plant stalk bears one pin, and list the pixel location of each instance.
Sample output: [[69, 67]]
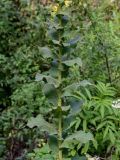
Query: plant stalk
[[60, 157]]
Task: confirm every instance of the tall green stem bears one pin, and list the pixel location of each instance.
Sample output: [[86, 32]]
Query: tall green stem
[[60, 109]]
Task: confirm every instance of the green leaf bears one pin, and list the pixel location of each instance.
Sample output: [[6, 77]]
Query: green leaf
[[45, 149], [102, 111], [73, 152], [51, 94], [78, 121], [69, 89], [53, 143], [101, 125], [95, 144], [76, 106], [105, 132], [95, 120], [40, 122], [67, 122], [45, 51], [76, 61], [85, 148], [85, 83], [88, 94], [66, 44], [79, 158], [74, 41], [56, 42], [49, 79], [84, 125], [65, 108], [105, 90], [112, 136], [74, 87], [53, 34], [77, 137]]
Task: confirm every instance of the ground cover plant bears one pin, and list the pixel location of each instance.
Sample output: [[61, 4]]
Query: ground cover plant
[[59, 80]]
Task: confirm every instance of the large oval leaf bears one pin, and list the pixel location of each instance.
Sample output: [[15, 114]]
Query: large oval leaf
[[76, 61], [40, 122], [49, 79], [79, 136], [51, 94], [45, 52]]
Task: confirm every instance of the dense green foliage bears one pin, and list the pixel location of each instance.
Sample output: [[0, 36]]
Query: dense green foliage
[[59, 74]]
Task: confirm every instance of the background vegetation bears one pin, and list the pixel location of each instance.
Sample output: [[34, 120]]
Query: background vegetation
[[32, 33]]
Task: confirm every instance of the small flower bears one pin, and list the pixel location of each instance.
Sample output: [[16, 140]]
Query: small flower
[[116, 104], [55, 8], [112, 1], [67, 3], [84, 5], [92, 158]]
